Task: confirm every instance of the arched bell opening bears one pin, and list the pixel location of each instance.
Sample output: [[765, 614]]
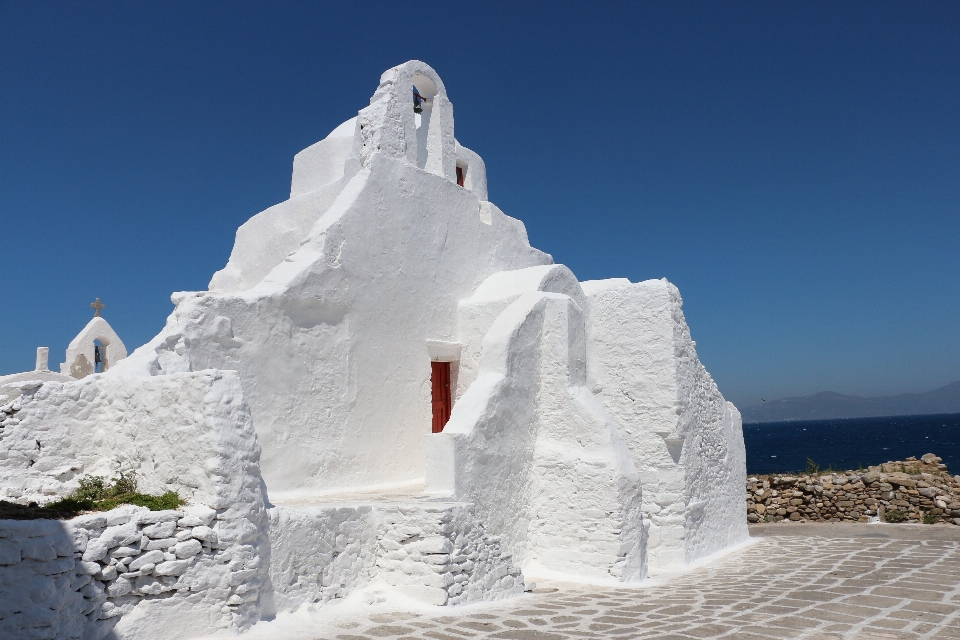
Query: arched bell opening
[[424, 90], [99, 357], [101, 354]]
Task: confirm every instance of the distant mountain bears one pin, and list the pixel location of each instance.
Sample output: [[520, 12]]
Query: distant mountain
[[827, 405]]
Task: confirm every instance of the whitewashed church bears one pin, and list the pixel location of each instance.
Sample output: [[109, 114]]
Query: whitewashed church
[[387, 385]]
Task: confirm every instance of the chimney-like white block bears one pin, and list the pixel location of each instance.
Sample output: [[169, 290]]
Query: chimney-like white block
[[43, 354]]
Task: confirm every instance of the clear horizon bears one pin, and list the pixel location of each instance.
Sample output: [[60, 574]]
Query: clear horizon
[[793, 169]]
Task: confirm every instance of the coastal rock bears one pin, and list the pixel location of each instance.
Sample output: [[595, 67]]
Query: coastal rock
[[901, 480]]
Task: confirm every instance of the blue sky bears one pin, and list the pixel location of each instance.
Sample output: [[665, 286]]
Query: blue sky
[[793, 168]]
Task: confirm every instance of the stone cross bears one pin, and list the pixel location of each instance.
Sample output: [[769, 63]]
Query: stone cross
[[97, 306]]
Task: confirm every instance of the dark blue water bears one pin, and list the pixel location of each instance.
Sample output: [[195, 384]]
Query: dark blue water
[[846, 444]]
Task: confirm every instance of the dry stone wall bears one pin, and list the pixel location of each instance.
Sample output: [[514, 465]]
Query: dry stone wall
[[898, 491]]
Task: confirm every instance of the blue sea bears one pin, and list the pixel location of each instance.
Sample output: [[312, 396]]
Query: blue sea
[[846, 444]]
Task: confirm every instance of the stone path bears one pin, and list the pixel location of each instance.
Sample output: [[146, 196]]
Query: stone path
[[812, 581]]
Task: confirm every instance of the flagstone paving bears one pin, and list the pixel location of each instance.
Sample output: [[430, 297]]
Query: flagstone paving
[[811, 581]]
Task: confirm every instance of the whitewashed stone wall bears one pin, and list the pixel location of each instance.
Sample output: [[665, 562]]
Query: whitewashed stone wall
[[441, 554], [77, 578], [43, 591], [686, 440], [189, 433], [10, 409], [319, 554], [535, 453], [435, 552]]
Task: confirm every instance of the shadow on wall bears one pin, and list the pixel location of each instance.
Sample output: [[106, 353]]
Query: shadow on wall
[[48, 590]]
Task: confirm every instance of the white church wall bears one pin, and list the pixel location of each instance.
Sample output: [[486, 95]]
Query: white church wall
[[322, 163], [442, 554], [537, 455], [485, 452], [330, 345], [476, 314], [436, 552], [585, 517], [263, 241], [686, 440], [475, 171]]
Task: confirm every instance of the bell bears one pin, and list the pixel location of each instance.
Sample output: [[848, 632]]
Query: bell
[[417, 101]]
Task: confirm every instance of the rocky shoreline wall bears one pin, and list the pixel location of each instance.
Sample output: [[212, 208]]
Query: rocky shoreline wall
[[913, 491]]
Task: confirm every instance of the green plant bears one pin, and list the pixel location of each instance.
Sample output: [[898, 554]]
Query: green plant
[[96, 494], [930, 518], [812, 466], [896, 516], [125, 485], [91, 488]]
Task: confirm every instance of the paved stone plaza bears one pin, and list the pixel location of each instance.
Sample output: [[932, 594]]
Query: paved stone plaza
[[813, 581]]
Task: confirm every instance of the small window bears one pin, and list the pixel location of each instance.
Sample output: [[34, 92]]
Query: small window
[[461, 175]]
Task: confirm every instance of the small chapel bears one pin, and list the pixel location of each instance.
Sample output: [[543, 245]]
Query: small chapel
[[94, 350]]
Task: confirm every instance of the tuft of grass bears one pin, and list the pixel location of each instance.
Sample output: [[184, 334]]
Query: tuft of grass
[[930, 518], [96, 494], [168, 500], [812, 467]]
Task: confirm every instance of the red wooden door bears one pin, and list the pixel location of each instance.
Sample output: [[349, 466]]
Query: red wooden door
[[442, 402]]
